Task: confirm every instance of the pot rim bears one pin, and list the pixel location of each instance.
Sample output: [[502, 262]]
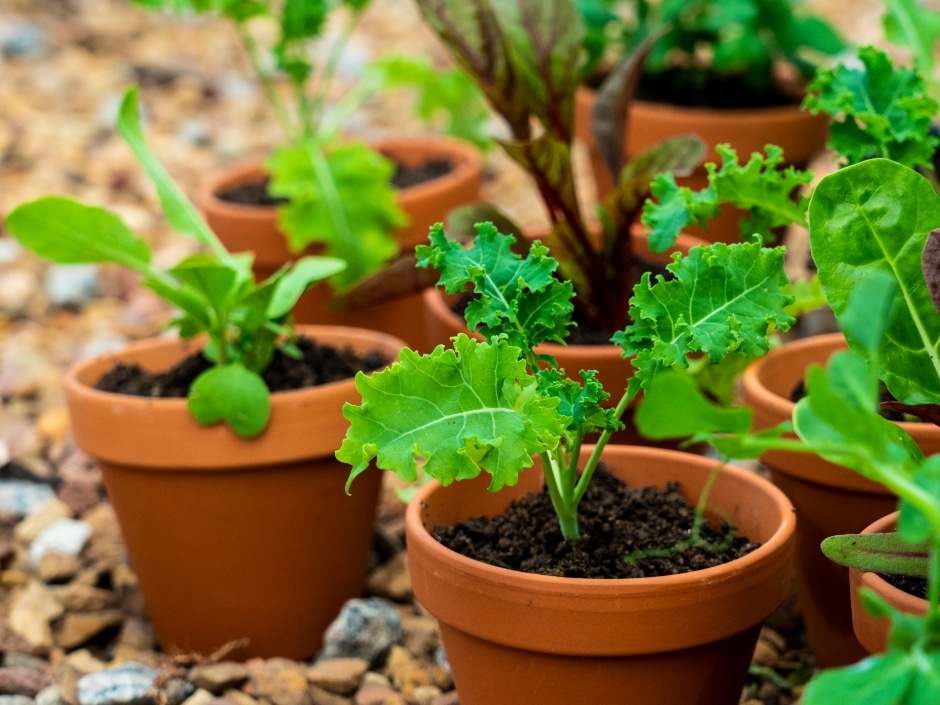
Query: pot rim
[[895, 596]]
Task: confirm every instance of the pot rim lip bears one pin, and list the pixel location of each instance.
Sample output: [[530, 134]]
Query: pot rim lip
[[794, 109], [873, 581], [611, 586], [466, 157], [74, 384]]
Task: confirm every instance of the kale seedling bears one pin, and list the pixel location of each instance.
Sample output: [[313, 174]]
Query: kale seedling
[[492, 405], [339, 191], [526, 57], [215, 292]]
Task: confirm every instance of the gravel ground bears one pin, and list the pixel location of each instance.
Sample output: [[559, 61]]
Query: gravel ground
[[74, 612]]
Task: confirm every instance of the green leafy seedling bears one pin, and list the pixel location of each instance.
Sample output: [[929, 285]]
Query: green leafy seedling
[[214, 293]]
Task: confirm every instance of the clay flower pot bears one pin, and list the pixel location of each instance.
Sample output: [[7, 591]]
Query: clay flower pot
[[612, 368], [829, 499], [254, 228], [513, 637], [747, 130], [872, 632], [232, 537]]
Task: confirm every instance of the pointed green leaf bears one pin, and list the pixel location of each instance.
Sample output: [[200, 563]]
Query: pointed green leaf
[[233, 394], [878, 680], [466, 410], [302, 274], [879, 553]]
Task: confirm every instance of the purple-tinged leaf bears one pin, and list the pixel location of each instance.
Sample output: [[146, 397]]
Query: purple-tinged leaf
[[927, 412], [930, 264]]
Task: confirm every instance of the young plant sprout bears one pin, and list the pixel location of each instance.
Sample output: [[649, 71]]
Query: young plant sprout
[[491, 405], [214, 292]]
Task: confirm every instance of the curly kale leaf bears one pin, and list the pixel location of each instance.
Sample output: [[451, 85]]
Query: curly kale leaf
[[470, 409], [517, 297], [768, 192], [878, 110], [722, 299]]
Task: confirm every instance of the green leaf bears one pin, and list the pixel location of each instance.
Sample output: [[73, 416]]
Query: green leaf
[[466, 410], [875, 217], [908, 24], [180, 212], [233, 394], [215, 282], [723, 299], [675, 208], [878, 110], [581, 403], [517, 297], [879, 553], [913, 524], [340, 197], [68, 232], [302, 274], [878, 680]]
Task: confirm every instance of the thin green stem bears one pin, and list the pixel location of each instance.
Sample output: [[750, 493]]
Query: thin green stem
[[331, 197], [566, 511], [585, 480], [703, 501], [317, 106], [266, 81], [933, 588]]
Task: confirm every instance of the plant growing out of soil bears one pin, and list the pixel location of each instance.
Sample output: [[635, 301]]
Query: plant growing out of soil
[[491, 406], [339, 192], [710, 52], [214, 292], [875, 237], [526, 56]]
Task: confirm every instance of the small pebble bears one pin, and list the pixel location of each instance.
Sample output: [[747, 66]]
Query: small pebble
[[365, 629], [127, 684], [65, 536], [21, 40], [21, 498], [71, 285]]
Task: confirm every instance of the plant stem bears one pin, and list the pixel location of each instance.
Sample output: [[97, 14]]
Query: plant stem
[[331, 197], [595, 458], [565, 509], [703, 501], [267, 84], [316, 107], [933, 589]]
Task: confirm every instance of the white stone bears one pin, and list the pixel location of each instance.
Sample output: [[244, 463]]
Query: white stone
[[66, 536]]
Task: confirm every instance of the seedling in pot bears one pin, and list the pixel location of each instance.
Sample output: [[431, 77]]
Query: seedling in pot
[[491, 406], [214, 292]]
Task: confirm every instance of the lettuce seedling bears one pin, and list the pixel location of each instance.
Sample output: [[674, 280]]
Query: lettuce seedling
[[339, 192], [526, 57], [491, 405], [214, 292], [875, 238]]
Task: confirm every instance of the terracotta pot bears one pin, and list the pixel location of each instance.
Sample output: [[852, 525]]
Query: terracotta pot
[[613, 370], [233, 537], [253, 228], [871, 631], [513, 638], [798, 133], [829, 499]]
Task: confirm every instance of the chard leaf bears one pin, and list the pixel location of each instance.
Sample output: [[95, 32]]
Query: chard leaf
[[518, 297], [545, 43], [340, 197], [231, 393], [470, 409], [180, 212], [769, 193], [302, 274], [872, 218], [723, 299], [880, 553], [473, 34], [881, 111], [65, 231]]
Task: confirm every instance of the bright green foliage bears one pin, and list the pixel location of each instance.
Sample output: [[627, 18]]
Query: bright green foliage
[[722, 299], [517, 297], [446, 97], [769, 194], [340, 198], [910, 24], [882, 553], [711, 38], [215, 293], [878, 110], [580, 402], [471, 409], [871, 218]]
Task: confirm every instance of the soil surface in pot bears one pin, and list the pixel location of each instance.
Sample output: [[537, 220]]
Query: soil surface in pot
[[911, 585], [318, 364], [615, 519], [703, 89], [256, 193]]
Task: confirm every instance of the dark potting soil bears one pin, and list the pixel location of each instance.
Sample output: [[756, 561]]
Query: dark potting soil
[[614, 519], [319, 364], [912, 586], [701, 89], [256, 193]]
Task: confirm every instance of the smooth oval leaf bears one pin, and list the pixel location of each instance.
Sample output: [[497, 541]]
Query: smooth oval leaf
[[234, 394]]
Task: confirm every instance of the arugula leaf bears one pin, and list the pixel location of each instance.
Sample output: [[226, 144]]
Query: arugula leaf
[[859, 227], [769, 193], [339, 197], [303, 273], [723, 299], [466, 410], [882, 111], [231, 393], [519, 298]]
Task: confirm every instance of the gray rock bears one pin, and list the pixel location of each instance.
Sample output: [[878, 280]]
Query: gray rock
[[21, 498], [16, 700], [128, 684], [22, 40], [364, 629], [65, 536], [19, 680], [71, 285], [50, 696]]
